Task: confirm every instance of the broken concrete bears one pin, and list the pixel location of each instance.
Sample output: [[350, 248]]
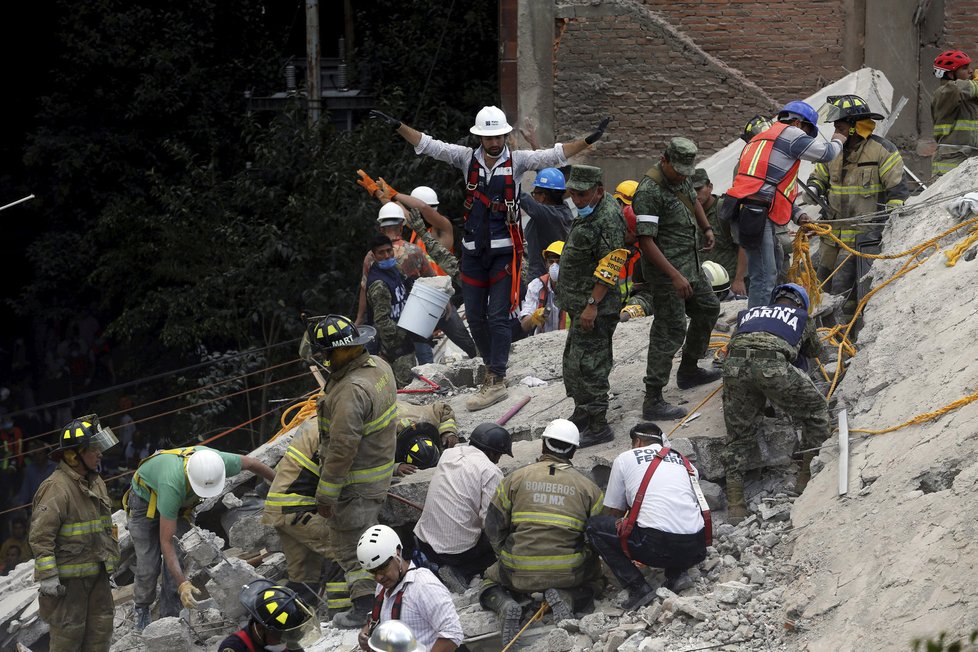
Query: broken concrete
[[225, 584], [166, 635]]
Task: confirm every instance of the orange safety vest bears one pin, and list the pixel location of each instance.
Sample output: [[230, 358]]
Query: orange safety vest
[[752, 174], [627, 272], [416, 239], [562, 320]]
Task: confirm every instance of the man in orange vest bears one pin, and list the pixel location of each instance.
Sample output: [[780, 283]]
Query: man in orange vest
[[764, 190]]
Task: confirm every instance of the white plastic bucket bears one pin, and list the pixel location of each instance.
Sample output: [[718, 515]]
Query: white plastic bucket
[[422, 310]]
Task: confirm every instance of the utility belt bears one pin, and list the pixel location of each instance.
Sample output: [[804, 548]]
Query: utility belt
[[760, 354], [756, 202]]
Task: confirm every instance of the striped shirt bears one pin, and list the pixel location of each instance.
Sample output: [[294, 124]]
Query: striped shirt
[[457, 500], [793, 144], [426, 608]]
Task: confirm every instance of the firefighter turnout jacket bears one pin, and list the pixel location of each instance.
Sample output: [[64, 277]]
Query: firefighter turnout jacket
[[438, 414], [297, 474], [954, 109]]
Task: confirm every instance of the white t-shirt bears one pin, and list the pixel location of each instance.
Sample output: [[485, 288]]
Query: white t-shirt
[[532, 301], [670, 504]]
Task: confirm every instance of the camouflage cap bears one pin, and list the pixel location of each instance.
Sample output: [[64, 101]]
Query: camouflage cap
[[584, 177], [681, 152], [700, 178]]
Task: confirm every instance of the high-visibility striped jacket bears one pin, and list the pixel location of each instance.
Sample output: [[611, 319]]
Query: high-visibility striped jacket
[[438, 414], [357, 422], [867, 178], [535, 524], [71, 527], [297, 473], [954, 109]]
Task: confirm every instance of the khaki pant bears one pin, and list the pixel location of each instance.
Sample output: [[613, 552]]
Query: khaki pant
[[351, 516], [304, 537], [81, 619]]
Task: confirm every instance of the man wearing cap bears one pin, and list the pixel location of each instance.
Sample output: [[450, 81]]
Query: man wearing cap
[[492, 244], [587, 290], [159, 505], [668, 213], [725, 251], [669, 530]]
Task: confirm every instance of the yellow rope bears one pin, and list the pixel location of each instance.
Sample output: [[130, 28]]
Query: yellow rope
[[303, 410], [693, 411], [921, 418], [537, 616], [960, 248]]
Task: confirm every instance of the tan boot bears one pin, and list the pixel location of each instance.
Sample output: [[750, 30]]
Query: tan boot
[[492, 391], [736, 508], [804, 472]]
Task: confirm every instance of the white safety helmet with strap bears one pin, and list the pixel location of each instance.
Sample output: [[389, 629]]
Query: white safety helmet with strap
[[376, 547], [390, 214], [206, 472], [425, 194], [717, 275], [563, 430], [490, 121]]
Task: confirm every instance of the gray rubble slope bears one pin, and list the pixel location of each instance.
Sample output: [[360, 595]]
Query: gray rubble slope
[[896, 558]]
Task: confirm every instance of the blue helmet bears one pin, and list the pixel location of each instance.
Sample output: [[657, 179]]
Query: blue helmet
[[791, 290], [798, 109], [551, 179]]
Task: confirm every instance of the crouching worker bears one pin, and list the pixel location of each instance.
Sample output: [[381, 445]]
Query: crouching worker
[[279, 619], [665, 527], [407, 593], [72, 540], [536, 526]]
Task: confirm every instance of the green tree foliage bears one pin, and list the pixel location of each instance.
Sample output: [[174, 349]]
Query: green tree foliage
[[941, 644]]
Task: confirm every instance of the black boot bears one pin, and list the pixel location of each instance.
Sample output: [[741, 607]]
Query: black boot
[[597, 431], [690, 374], [357, 616], [497, 599], [638, 596], [579, 418], [655, 407]]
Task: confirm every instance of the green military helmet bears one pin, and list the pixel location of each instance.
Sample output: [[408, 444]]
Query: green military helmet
[[849, 108]]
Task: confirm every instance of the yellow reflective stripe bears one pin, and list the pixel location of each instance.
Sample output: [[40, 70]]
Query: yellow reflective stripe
[[303, 461], [380, 422], [372, 474], [324, 424], [549, 519], [339, 603], [856, 190], [756, 158], [889, 163], [940, 167], [942, 129], [358, 576], [965, 125], [447, 425], [337, 587], [45, 563], [502, 497], [82, 527], [329, 489], [894, 202], [598, 505], [79, 570], [541, 562], [290, 500]]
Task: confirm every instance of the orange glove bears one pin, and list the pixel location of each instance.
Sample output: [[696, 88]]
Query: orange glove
[[384, 187], [367, 183]]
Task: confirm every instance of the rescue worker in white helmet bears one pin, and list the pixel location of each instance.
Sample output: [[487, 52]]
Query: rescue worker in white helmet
[[73, 541], [159, 505], [279, 619], [492, 245]]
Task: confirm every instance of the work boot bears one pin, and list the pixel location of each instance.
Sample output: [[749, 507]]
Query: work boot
[[804, 472], [357, 616], [678, 582], [638, 597], [655, 407], [143, 618], [693, 375], [597, 431], [630, 311], [736, 508], [453, 578], [497, 599], [579, 418], [561, 604], [492, 391]]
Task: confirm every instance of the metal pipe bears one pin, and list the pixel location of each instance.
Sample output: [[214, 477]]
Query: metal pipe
[[19, 201], [501, 421]]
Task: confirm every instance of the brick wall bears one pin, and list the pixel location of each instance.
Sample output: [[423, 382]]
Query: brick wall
[[697, 68], [961, 26]]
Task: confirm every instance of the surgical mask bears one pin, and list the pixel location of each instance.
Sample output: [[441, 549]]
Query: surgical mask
[[584, 212], [553, 271], [280, 647], [865, 127], [390, 263]]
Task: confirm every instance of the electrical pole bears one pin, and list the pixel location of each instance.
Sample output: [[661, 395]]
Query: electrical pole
[[314, 92]]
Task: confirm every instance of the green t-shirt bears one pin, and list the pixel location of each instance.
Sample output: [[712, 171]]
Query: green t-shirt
[[166, 476]]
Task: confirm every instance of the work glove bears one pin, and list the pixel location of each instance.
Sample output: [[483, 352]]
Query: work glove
[[367, 183], [187, 592], [52, 587], [593, 138], [394, 122], [538, 317], [384, 187]]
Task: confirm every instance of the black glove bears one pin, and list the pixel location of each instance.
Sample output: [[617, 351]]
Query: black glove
[[394, 122], [593, 138]]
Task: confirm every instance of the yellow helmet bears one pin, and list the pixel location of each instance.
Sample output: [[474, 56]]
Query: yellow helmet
[[718, 276], [556, 247], [626, 190]]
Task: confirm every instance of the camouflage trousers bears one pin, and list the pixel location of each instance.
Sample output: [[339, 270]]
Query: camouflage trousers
[[747, 382], [587, 363], [669, 328], [401, 366]]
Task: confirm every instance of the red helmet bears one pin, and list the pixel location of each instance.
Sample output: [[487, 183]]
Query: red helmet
[[949, 61], [631, 220]]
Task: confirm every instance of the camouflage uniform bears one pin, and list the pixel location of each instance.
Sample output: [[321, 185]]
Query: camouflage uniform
[[588, 355], [395, 343], [760, 366], [724, 250], [663, 216]]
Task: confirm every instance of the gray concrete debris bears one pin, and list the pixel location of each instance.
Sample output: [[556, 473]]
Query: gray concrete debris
[[775, 512], [594, 625], [273, 566], [166, 635], [226, 581], [732, 592], [201, 548], [251, 535]]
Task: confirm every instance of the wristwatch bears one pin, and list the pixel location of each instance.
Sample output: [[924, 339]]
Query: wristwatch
[[591, 301]]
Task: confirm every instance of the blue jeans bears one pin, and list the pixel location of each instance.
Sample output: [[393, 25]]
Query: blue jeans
[[486, 286], [762, 268], [424, 353]]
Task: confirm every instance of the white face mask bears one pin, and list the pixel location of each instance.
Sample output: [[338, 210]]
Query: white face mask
[[554, 270]]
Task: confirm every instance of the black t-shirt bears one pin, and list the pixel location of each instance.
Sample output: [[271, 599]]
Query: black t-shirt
[[547, 224]]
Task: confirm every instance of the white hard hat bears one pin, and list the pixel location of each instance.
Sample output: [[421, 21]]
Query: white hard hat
[[425, 194], [206, 472], [390, 213], [393, 636], [376, 546], [490, 121], [717, 275], [563, 430]]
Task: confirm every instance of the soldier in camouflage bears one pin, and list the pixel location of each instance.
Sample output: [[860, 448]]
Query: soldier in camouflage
[[725, 251], [667, 214], [763, 364], [386, 296], [591, 299]]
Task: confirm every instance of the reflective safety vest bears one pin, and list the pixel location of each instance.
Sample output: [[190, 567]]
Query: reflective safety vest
[[627, 274], [753, 171], [297, 473], [185, 453]]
